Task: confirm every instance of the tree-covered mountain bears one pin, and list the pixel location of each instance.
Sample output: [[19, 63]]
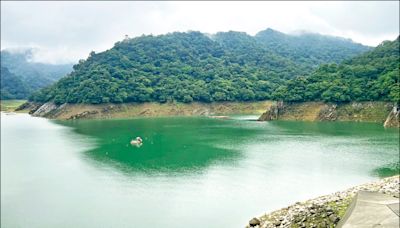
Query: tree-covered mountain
[[310, 49], [371, 76], [185, 67], [33, 74], [12, 87]]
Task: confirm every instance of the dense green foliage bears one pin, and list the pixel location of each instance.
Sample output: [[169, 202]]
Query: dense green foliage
[[187, 67], [371, 76], [34, 75], [309, 49], [12, 87]]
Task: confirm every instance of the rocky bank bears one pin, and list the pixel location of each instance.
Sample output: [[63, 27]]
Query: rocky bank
[[129, 110], [324, 211], [379, 112], [393, 119]]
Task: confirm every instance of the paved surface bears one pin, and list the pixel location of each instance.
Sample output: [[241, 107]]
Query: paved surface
[[372, 209]]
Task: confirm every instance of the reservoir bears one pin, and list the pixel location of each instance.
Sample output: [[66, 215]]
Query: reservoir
[[189, 172]]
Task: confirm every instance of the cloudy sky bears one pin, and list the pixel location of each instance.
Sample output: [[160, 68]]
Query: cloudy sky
[[67, 31]]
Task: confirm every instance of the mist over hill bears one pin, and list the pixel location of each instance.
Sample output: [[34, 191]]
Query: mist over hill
[[12, 87], [33, 75]]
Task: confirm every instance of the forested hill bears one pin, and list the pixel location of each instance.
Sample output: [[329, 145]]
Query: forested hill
[[12, 87], [186, 67], [371, 76], [34, 75], [309, 49]]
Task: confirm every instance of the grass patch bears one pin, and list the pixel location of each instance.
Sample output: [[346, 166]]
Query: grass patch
[[10, 105], [340, 208], [321, 218]]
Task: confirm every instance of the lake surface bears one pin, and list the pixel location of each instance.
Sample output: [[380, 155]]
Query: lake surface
[[190, 172]]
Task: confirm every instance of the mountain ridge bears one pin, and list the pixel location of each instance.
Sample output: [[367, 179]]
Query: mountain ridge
[[185, 67], [34, 75]]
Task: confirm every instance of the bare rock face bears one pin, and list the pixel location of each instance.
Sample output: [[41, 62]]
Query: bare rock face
[[201, 111], [393, 119], [45, 109], [328, 113], [84, 114], [30, 106], [272, 113], [48, 110]]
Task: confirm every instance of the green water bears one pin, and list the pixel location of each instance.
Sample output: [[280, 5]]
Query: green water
[[190, 172]]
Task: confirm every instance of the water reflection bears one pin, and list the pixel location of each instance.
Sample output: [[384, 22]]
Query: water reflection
[[183, 145], [173, 145]]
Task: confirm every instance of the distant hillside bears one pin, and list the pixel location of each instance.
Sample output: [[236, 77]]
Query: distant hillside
[[371, 76], [12, 87], [34, 75], [188, 67], [310, 49]]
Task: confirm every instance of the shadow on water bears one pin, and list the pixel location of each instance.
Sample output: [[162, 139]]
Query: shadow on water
[[170, 145], [387, 170], [183, 145]]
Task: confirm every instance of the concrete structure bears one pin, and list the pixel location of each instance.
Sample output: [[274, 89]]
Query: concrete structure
[[372, 209]]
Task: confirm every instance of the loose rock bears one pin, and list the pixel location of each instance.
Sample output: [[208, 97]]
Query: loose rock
[[254, 222], [334, 218]]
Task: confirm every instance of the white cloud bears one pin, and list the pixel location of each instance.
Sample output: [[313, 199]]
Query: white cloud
[[68, 31]]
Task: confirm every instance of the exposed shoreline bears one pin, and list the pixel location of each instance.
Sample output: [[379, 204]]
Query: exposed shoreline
[[323, 211], [385, 113], [151, 109]]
